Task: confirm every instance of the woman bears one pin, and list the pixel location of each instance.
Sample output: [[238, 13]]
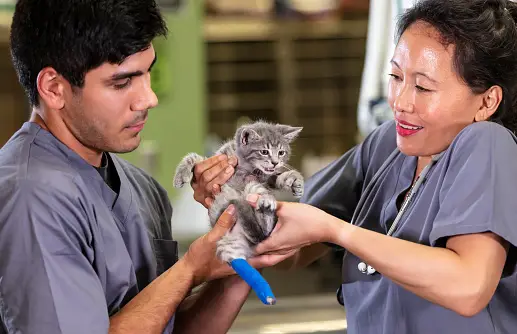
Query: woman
[[440, 180]]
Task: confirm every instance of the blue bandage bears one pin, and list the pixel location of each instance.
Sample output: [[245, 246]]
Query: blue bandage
[[255, 280]]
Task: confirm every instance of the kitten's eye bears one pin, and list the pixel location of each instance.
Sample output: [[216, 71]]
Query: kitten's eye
[[264, 152], [281, 153]]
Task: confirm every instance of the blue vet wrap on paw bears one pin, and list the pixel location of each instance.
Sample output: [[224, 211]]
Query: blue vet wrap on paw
[[255, 280]]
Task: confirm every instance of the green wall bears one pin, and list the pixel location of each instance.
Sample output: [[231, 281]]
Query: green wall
[[178, 125]]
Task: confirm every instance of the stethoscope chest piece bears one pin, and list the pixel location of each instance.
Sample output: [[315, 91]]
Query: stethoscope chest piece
[[366, 269], [369, 270]]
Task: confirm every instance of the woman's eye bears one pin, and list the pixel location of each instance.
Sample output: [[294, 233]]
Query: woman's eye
[[422, 89], [394, 76]]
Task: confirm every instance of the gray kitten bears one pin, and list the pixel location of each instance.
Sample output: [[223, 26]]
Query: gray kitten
[[262, 150]]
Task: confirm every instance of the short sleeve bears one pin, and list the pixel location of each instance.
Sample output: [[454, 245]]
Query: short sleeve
[[337, 188], [479, 190], [47, 283]]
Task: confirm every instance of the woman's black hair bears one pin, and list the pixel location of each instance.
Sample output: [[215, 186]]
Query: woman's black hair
[[484, 35]]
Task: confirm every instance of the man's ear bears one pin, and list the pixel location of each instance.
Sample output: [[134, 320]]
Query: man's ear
[[492, 98], [51, 88]]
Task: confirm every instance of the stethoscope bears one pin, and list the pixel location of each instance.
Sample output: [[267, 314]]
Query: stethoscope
[[364, 267]]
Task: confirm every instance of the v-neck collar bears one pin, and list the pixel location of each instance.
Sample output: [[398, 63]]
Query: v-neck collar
[[118, 203], [123, 203]]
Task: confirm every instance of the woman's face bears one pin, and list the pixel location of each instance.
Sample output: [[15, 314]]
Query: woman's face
[[431, 103]]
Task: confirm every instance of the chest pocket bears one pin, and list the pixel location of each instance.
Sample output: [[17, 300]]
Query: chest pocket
[[166, 253]]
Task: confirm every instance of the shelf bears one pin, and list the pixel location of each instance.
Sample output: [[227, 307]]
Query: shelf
[[258, 29], [303, 73]]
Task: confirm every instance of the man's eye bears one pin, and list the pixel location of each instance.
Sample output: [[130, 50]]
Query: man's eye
[[123, 85]]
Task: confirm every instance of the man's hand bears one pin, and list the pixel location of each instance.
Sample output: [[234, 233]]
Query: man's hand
[[209, 175], [202, 262], [200, 258]]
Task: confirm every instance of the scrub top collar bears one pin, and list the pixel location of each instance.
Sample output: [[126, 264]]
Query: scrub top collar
[[121, 203]]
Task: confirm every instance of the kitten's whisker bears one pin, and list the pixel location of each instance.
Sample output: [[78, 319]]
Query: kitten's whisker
[[288, 167]]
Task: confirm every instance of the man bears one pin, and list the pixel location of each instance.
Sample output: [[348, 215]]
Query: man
[[85, 237]]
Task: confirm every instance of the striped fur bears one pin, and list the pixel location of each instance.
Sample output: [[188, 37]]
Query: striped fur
[[263, 150]]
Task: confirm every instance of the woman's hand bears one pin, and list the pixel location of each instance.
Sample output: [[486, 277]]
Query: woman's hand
[[299, 225]]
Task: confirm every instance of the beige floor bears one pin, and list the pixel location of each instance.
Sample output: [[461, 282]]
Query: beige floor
[[292, 315]]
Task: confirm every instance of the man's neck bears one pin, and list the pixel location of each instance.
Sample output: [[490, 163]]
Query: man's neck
[[64, 135]]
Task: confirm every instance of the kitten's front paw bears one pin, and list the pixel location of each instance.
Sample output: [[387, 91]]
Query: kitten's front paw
[[182, 177], [292, 181], [297, 188], [184, 171], [266, 203]]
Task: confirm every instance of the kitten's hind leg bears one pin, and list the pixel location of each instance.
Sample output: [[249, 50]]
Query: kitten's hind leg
[[221, 201], [245, 234], [234, 249], [234, 245], [185, 169], [265, 211]]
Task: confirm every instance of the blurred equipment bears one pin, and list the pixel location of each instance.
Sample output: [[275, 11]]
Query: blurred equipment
[[314, 7], [240, 7], [373, 107]]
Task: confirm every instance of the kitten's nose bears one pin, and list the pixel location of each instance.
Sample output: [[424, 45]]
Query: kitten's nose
[[274, 163]]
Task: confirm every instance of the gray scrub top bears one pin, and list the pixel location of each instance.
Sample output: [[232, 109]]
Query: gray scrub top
[[72, 251], [472, 188]]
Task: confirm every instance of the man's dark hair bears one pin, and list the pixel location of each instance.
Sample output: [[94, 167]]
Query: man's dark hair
[[76, 36], [484, 35]]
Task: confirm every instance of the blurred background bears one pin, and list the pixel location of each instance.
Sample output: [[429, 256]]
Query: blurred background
[[298, 62]]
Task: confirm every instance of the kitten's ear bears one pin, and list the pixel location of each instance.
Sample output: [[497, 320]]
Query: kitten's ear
[[289, 132], [247, 135]]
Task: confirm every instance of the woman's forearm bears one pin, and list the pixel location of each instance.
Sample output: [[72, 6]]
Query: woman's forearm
[[440, 275], [303, 257]]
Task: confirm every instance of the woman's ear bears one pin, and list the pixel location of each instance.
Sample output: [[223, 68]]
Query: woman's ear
[[492, 98]]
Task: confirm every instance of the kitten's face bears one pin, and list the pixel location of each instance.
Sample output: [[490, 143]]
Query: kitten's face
[[265, 147], [270, 158]]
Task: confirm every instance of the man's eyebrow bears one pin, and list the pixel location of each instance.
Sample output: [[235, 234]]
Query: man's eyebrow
[[152, 64], [126, 75]]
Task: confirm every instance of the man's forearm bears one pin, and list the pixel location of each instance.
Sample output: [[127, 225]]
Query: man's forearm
[[215, 307], [151, 310]]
